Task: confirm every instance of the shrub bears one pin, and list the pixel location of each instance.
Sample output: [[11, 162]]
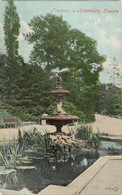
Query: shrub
[[86, 133]]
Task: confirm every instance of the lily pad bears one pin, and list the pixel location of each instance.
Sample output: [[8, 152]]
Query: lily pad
[[25, 167], [25, 160], [7, 171]]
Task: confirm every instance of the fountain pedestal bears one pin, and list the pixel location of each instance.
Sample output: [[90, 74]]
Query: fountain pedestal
[[60, 118]]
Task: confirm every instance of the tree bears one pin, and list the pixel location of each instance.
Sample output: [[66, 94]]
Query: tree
[[11, 30], [110, 100], [57, 45], [115, 76], [13, 62], [50, 38], [30, 96], [2, 77]]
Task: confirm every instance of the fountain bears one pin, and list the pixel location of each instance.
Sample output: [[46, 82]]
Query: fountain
[[60, 117]]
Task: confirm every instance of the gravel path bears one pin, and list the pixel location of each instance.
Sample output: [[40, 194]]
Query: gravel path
[[106, 125]]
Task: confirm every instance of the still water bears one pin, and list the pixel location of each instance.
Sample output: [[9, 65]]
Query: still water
[[60, 171]]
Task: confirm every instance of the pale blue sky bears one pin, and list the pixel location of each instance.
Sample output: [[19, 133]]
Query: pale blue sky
[[106, 28]]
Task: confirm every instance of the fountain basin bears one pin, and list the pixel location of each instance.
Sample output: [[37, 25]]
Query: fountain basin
[[59, 120], [60, 92]]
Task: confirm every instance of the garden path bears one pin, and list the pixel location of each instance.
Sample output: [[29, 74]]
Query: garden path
[[108, 127]]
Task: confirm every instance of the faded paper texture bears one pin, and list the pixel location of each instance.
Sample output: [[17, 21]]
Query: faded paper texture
[[102, 22]]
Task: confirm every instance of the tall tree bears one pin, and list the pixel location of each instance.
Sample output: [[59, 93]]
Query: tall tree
[[13, 61], [2, 77], [116, 78], [57, 45], [50, 39], [110, 100], [11, 30], [30, 95]]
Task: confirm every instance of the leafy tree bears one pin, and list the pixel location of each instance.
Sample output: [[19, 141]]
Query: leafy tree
[[30, 95], [11, 31], [12, 62], [57, 45], [50, 39], [2, 76], [11, 28], [26, 87], [110, 100]]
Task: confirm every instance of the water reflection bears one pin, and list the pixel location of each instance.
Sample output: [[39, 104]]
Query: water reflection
[[60, 171], [11, 181]]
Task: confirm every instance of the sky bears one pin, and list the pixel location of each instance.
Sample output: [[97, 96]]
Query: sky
[[101, 25]]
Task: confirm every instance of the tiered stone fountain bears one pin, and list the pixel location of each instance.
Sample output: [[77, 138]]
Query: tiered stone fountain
[[60, 118]]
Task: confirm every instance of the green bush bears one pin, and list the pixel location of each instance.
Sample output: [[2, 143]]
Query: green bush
[[23, 113], [86, 133], [71, 109]]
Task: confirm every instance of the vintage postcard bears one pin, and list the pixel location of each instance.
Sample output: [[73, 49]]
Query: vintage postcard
[[60, 97]]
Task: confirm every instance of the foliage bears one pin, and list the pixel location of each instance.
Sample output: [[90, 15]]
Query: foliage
[[35, 140], [3, 113], [10, 153], [86, 133], [52, 107], [29, 96], [57, 45], [84, 99], [31, 143], [110, 100], [25, 88], [11, 31], [115, 78], [49, 36], [12, 62], [2, 77], [71, 109]]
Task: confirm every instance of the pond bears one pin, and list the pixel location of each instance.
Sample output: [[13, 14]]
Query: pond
[[60, 171]]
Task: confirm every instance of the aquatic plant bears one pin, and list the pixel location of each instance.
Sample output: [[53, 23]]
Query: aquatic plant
[[10, 154], [35, 140], [86, 133]]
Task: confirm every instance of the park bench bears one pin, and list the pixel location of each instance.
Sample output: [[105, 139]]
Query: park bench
[[11, 121]]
